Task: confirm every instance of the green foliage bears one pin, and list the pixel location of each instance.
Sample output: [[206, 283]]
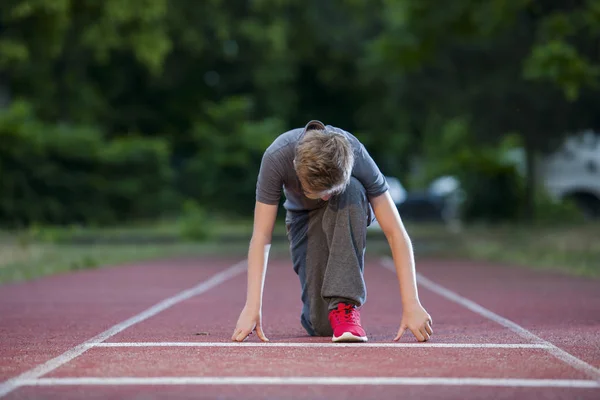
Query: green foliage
[[493, 189], [559, 62], [137, 178], [442, 142], [559, 54], [60, 174], [62, 54], [550, 211], [222, 172], [511, 66], [195, 224], [215, 81], [139, 26]]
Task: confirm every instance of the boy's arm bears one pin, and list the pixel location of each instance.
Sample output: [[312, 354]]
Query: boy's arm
[[258, 254], [414, 316]]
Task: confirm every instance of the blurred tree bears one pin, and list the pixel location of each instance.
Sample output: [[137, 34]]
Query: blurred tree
[[218, 79], [489, 61], [63, 174], [222, 170], [57, 53], [565, 52]]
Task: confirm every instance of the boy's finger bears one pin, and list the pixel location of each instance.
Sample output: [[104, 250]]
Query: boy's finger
[[241, 336], [261, 334], [400, 333], [418, 335], [428, 328], [425, 334]]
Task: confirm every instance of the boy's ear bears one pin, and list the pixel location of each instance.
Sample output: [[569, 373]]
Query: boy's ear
[[314, 125]]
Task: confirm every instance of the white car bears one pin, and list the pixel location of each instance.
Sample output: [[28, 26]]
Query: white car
[[572, 172]]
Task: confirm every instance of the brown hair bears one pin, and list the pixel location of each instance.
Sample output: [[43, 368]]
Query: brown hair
[[324, 161]]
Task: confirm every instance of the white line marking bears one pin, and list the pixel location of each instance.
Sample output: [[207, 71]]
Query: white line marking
[[11, 384], [320, 345], [557, 352], [259, 380]]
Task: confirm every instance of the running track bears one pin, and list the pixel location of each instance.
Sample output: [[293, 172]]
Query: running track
[[162, 329]]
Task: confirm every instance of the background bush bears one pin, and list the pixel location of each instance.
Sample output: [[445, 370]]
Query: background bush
[[60, 174], [208, 85], [493, 190]]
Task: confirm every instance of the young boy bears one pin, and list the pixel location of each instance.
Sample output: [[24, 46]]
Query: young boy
[[333, 191]]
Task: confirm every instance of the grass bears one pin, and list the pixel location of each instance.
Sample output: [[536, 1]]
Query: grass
[[42, 259], [40, 252], [574, 249], [46, 251]]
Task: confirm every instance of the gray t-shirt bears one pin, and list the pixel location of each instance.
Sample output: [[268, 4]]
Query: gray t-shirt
[[277, 172]]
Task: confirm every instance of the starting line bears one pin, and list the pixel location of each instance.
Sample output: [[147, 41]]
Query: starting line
[[325, 344], [351, 381]]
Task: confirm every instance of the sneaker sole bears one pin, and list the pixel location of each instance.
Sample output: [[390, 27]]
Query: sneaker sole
[[348, 337]]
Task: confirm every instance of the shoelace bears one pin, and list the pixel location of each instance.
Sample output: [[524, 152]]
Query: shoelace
[[347, 314]]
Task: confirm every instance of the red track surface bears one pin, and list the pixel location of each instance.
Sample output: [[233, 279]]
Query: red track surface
[[43, 319]]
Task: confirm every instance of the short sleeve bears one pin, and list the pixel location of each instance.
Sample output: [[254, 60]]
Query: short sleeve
[[269, 183], [367, 172]]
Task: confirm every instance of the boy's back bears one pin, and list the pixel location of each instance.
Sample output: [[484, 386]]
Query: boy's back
[[277, 172]]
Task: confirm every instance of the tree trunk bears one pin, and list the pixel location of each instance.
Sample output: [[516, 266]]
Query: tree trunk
[[4, 92], [530, 182]]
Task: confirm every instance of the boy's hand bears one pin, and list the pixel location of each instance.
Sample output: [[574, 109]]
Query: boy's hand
[[247, 322], [418, 321]]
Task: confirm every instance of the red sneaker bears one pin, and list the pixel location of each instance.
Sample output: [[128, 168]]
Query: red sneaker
[[345, 321]]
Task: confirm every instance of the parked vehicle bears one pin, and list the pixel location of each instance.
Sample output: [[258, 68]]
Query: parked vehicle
[[435, 204], [572, 172]]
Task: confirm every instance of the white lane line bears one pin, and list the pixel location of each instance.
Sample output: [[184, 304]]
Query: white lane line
[[557, 352], [259, 380], [11, 384], [320, 345]]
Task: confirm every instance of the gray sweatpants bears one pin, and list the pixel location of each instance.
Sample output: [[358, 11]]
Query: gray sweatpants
[[327, 246]]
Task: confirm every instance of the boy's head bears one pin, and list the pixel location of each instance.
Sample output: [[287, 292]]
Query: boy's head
[[323, 162]]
